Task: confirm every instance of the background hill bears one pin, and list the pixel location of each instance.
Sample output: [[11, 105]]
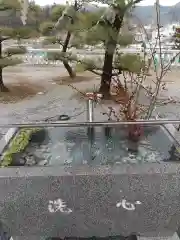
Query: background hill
[[169, 14]]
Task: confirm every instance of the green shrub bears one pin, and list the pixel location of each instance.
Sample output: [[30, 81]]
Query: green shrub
[[46, 28], [53, 56], [17, 145], [15, 50]]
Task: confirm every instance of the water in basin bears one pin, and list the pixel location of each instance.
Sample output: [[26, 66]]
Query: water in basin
[[109, 146]]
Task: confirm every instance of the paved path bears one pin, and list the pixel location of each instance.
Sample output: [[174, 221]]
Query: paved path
[[56, 102], [59, 99], [151, 201]]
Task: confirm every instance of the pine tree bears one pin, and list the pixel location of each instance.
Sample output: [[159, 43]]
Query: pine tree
[[89, 29], [64, 21], [108, 31], [7, 56], [34, 15], [66, 28], [112, 22]]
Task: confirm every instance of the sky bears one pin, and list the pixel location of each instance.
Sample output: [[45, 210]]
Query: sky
[[144, 2]]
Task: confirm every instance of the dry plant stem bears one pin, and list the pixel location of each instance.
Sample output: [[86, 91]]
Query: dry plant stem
[[152, 56], [138, 91], [143, 77], [125, 81], [131, 104], [143, 74], [164, 69], [111, 111], [167, 67], [149, 93], [152, 50], [158, 78], [134, 131]]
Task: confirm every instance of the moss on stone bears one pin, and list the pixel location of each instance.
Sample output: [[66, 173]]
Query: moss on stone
[[17, 145]]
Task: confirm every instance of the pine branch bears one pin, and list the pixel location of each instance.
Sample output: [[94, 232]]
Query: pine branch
[[6, 62], [4, 38], [137, 1], [14, 51], [132, 3]]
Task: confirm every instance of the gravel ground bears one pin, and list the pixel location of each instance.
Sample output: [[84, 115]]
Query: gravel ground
[[55, 102], [58, 100]]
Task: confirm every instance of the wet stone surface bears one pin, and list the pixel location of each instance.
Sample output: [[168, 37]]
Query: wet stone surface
[[75, 147]]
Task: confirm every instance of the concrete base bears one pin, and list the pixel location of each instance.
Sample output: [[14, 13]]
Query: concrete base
[[171, 237], [104, 201], [4, 141], [85, 202]]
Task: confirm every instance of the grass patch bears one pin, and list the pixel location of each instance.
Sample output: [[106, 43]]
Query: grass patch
[[63, 80], [19, 91], [17, 145]]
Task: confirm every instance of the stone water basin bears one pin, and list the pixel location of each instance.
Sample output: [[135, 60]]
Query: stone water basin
[[128, 195], [107, 146]]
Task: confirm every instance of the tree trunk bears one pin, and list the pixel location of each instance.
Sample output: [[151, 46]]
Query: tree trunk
[[69, 69], [37, 24], [3, 88], [108, 58], [65, 62], [107, 74]]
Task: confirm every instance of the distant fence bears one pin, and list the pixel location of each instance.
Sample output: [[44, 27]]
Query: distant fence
[[171, 57], [29, 59], [39, 56]]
